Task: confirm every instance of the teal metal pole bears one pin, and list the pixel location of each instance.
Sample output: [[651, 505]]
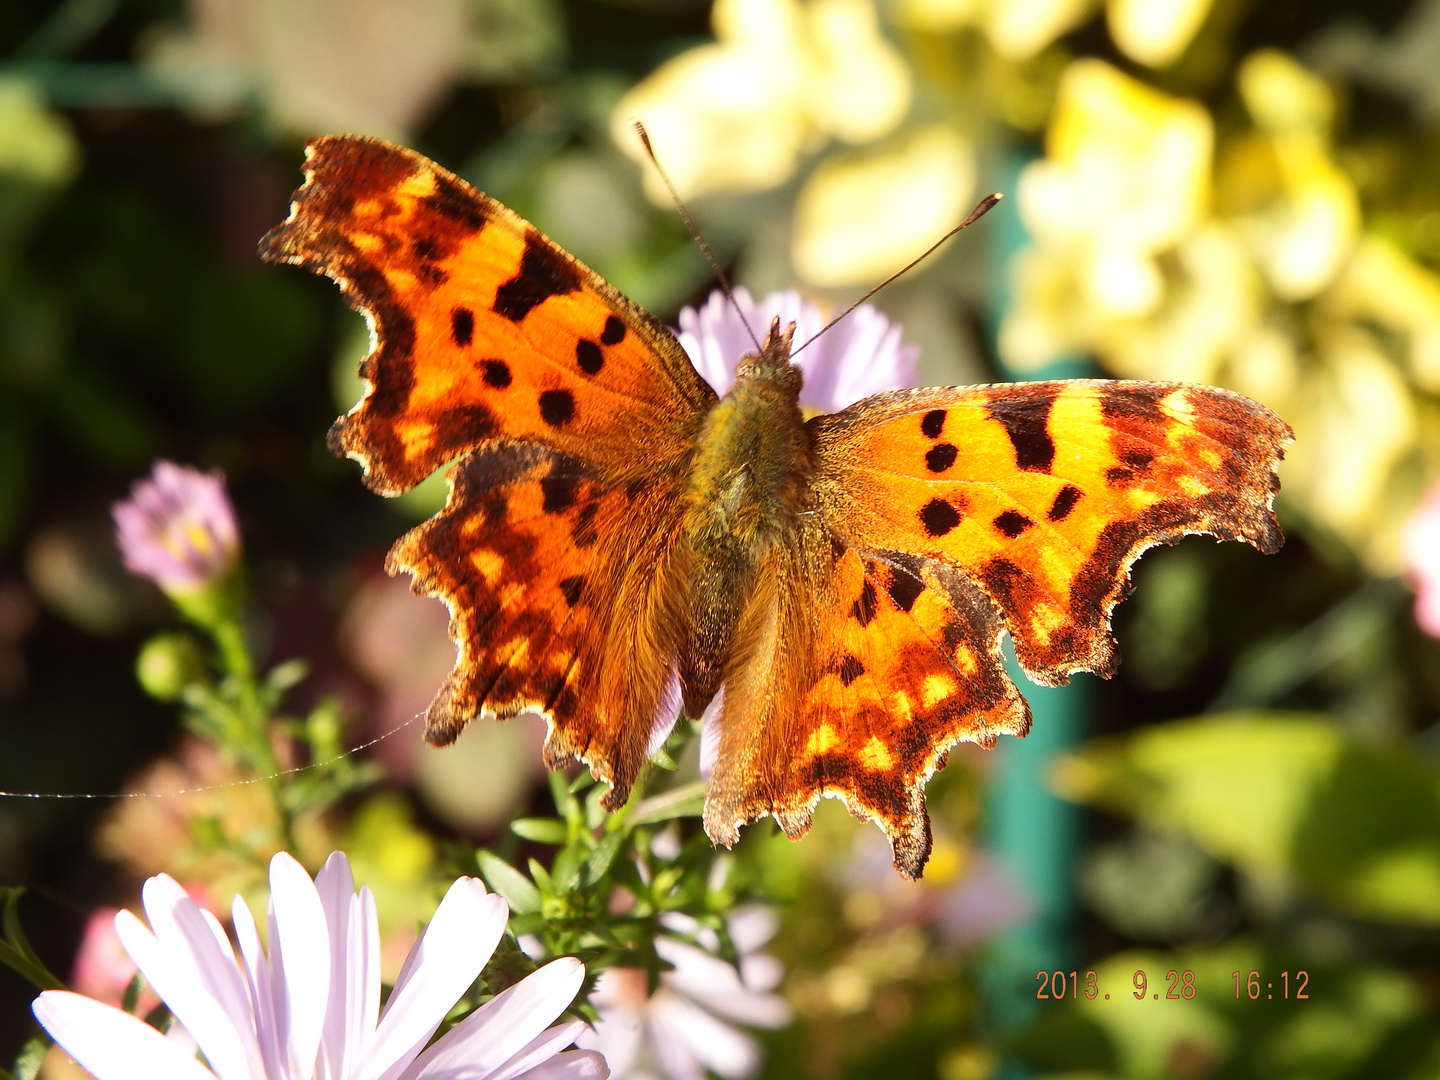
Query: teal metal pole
[[1031, 832]]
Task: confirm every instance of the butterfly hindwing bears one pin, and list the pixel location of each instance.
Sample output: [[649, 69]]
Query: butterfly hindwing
[[484, 329], [1043, 494], [868, 667], [552, 578]]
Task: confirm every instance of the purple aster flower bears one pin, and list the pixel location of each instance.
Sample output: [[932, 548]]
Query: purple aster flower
[[859, 356], [308, 1008], [178, 528]]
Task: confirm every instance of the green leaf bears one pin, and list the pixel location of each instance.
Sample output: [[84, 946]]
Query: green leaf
[[564, 798], [283, 676], [688, 800], [131, 998], [565, 869], [518, 891], [31, 1056], [540, 830], [1282, 795], [601, 858], [15, 950]]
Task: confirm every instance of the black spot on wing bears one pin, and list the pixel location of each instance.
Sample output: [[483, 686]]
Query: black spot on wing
[[933, 423], [850, 670], [571, 587], [544, 272], [456, 203], [589, 356], [940, 457], [496, 373], [939, 517], [904, 588], [1012, 523], [1026, 421], [558, 493], [557, 407], [1065, 500], [864, 608], [614, 331], [462, 326]]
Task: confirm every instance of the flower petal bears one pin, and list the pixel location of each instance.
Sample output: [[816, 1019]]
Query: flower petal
[[257, 976], [336, 886], [299, 963], [175, 980], [539, 1049], [111, 1044], [571, 1065], [443, 963], [196, 940], [679, 1025], [501, 1028]]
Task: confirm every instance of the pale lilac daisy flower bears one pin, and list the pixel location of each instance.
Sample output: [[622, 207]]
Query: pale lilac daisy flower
[[310, 1008], [1422, 558], [178, 528], [680, 1031], [859, 356]]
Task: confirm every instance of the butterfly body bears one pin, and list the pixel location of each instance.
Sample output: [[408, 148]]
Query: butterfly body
[[620, 543], [746, 488]]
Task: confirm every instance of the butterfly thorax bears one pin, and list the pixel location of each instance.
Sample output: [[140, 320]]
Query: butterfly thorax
[[746, 487]]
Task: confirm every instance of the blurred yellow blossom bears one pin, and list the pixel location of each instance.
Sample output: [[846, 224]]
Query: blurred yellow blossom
[[736, 115], [1299, 211], [1155, 32], [1251, 270], [863, 216], [1127, 176], [1016, 29]]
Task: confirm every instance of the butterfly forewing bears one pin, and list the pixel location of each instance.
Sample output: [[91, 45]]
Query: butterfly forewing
[[484, 329], [1043, 494]]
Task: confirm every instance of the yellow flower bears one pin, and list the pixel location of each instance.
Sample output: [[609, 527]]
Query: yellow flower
[[1016, 29], [1300, 213], [861, 217], [781, 78], [1127, 176], [1155, 32]]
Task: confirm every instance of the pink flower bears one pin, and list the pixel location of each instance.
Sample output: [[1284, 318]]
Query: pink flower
[[308, 1006], [103, 969], [1422, 558], [861, 355], [178, 528]]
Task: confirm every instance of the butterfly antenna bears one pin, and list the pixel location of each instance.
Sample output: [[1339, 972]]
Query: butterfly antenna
[[690, 224], [975, 215]]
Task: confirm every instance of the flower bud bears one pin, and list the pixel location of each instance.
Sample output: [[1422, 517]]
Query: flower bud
[[167, 664]]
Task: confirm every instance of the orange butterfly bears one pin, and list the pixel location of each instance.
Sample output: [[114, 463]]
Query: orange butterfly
[[620, 544]]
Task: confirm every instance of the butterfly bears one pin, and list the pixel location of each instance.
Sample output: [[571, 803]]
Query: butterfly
[[621, 544]]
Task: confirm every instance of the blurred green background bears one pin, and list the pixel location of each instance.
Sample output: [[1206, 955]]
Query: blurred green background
[[1244, 192]]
